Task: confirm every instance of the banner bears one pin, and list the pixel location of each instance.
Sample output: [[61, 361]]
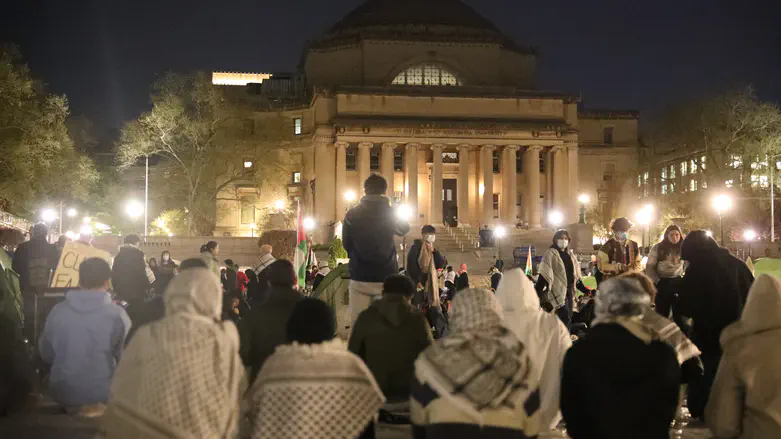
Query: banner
[[73, 254]]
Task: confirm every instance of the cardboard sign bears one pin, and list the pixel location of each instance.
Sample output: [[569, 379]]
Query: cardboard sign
[[67, 273]]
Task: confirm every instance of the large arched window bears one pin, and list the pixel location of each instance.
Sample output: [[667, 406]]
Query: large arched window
[[426, 74]]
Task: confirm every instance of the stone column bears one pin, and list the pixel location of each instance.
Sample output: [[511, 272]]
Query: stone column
[[574, 182], [436, 185], [531, 199], [487, 168], [341, 178], [386, 166], [411, 186], [463, 184], [510, 189], [325, 185], [307, 175], [560, 181], [364, 164]]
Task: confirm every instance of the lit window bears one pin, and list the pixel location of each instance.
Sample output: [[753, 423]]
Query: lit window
[[759, 180], [297, 126], [351, 159], [704, 184], [693, 184], [639, 180], [694, 166], [496, 165], [664, 174], [778, 166], [430, 74], [496, 205], [248, 163], [703, 163], [296, 177], [683, 169], [607, 135], [672, 188], [664, 188], [672, 173], [729, 183], [398, 161]]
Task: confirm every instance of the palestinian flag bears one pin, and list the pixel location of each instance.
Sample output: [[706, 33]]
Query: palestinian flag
[[302, 256], [529, 262]]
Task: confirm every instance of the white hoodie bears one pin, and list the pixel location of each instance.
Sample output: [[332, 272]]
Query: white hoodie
[[543, 334]]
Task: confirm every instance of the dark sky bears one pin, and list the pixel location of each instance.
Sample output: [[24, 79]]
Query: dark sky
[[634, 54]]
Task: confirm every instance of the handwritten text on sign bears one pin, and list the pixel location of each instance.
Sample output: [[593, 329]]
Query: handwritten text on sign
[[73, 254]]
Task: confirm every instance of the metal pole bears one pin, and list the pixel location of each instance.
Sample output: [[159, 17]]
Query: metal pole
[[772, 201], [60, 229], [146, 195]]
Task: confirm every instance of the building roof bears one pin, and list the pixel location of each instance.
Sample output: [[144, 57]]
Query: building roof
[[420, 20]]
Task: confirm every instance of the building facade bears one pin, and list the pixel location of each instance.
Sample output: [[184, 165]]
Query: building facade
[[434, 98]]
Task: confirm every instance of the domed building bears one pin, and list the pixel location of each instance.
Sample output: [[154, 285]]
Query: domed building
[[435, 98]]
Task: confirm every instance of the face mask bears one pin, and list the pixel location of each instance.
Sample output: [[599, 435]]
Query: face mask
[[622, 235], [562, 243], [430, 238]]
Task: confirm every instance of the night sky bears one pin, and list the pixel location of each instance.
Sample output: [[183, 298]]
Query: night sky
[[632, 54]]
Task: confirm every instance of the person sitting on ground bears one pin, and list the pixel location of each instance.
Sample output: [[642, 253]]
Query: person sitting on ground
[[181, 377], [546, 338], [477, 382], [620, 382], [744, 401], [314, 387], [264, 328], [462, 281], [83, 340], [389, 336]]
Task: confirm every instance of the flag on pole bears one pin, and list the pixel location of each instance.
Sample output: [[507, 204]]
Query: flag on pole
[[529, 262], [300, 259]]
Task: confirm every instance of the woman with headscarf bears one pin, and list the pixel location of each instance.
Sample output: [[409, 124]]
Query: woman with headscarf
[[665, 268], [714, 291], [745, 402], [314, 387], [544, 335], [181, 376], [462, 280], [621, 381], [479, 381], [559, 274]]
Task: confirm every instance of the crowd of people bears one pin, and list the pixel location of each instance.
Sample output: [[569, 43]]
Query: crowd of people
[[226, 353]]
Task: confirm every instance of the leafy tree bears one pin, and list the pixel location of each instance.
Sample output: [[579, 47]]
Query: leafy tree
[[203, 135], [39, 163], [170, 222], [336, 251]]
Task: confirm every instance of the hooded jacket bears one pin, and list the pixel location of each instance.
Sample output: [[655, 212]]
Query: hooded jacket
[[33, 261], [389, 336], [83, 341], [368, 232], [745, 401], [544, 335], [128, 274]]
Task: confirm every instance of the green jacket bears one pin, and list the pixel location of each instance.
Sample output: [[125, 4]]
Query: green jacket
[[389, 336]]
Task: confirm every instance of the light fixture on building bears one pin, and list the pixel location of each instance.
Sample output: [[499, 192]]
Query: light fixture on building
[[309, 224], [279, 204], [556, 218], [584, 199], [403, 212], [248, 164], [350, 196], [500, 232], [86, 229]]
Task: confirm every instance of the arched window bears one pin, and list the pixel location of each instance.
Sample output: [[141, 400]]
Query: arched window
[[426, 74]]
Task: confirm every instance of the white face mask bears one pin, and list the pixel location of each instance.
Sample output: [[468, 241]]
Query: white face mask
[[562, 243], [430, 238]]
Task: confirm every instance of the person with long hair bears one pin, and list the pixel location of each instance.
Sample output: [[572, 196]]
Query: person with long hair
[[665, 268]]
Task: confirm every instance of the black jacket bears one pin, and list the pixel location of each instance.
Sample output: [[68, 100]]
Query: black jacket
[[462, 281], [615, 386], [714, 291], [33, 261], [368, 233], [128, 274], [413, 268]]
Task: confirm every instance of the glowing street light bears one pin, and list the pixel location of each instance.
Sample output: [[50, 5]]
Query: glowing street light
[[49, 215], [709, 234], [404, 212], [556, 218], [279, 204], [134, 209], [86, 220], [749, 235], [500, 232], [584, 199], [722, 203], [350, 196], [72, 212], [85, 229], [309, 224], [645, 217], [70, 235]]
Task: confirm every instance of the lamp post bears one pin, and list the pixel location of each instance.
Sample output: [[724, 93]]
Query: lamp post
[[500, 232], [644, 217], [721, 203], [134, 209], [403, 213], [749, 235], [583, 199], [349, 196]]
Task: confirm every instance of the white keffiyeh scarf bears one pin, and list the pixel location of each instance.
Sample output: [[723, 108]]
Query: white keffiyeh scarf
[[554, 271], [313, 391], [180, 377]]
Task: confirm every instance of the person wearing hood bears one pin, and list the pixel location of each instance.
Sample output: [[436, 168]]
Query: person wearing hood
[[714, 291], [368, 234], [209, 253], [264, 328], [83, 341], [322, 272], [479, 381], [462, 281], [619, 254], [544, 335], [559, 276], [180, 377], [665, 268], [621, 381], [744, 402], [313, 387], [389, 336], [34, 261]]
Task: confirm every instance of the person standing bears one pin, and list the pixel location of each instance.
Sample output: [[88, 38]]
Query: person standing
[[619, 254], [265, 259], [166, 271], [34, 261], [665, 268], [745, 401], [559, 276], [369, 230], [83, 341], [714, 291], [423, 263], [209, 253], [130, 279], [620, 381], [496, 277]]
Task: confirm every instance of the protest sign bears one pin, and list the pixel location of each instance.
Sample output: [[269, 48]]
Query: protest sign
[[73, 254]]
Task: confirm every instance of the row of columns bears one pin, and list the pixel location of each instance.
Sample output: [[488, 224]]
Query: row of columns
[[564, 187]]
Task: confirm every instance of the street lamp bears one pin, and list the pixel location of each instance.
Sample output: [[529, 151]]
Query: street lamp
[[350, 196], [134, 209], [403, 213], [583, 199], [721, 203], [644, 217], [309, 224], [499, 232], [556, 218], [749, 235], [72, 212], [48, 215], [279, 204], [86, 220], [85, 229]]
